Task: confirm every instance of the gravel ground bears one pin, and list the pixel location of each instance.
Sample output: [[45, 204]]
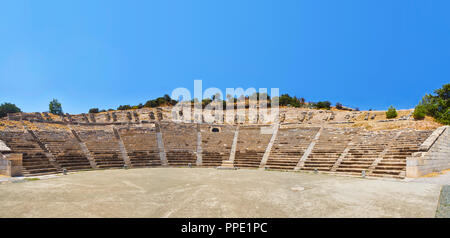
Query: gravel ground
[[202, 192]]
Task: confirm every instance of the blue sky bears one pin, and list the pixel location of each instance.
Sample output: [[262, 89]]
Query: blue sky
[[92, 53]]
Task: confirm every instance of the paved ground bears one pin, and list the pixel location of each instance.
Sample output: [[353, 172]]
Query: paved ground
[[442, 178], [184, 192]]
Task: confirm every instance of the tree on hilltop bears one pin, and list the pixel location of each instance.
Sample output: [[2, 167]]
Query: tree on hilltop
[[93, 110], [55, 107], [124, 107], [436, 106], [6, 108]]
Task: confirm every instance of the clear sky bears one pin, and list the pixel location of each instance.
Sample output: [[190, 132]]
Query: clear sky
[[92, 53]]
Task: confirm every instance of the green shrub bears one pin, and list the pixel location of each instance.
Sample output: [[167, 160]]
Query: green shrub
[[6, 108], [286, 100], [161, 101], [419, 112], [338, 105], [124, 107], [322, 105], [391, 113], [437, 106], [93, 110]]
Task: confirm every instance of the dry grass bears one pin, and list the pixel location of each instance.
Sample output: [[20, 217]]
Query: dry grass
[[427, 124], [381, 115], [49, 126], [54, 117], [11, 125]]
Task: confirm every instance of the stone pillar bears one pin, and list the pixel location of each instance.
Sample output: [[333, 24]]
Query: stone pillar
[[199, 161], [234, 145], [308, 151], [161, 149], [269, 146], [123, 150], [84, 149]]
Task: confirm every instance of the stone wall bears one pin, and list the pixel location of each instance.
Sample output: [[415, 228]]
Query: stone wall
[[434, 155], [11, 164]]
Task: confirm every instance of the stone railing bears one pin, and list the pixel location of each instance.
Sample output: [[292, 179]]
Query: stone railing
[[426, 145], [434, 154], [3, 147]]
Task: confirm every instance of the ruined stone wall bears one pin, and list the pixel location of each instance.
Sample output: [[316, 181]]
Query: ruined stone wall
[[11, 164]]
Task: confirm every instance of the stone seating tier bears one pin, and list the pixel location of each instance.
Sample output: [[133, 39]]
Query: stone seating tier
[[65, 147], [251, 146], [180, 143], [393, 163], [331, 144], [289, 147], [338, 150], [141, 146], [34, 160], [181, 158], [104, 147], [216, 144]]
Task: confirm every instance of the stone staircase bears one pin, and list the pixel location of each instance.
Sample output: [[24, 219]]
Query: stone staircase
[[227, 164]]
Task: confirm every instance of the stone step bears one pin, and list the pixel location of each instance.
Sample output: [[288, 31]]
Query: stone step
[[352, 170], [385, 171], [283, 167]]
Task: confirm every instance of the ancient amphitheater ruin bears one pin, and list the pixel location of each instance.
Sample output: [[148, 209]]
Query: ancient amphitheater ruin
[[354, 143]]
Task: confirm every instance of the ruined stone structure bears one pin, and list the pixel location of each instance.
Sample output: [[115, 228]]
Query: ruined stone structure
[[302, 140], [286, 115]]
